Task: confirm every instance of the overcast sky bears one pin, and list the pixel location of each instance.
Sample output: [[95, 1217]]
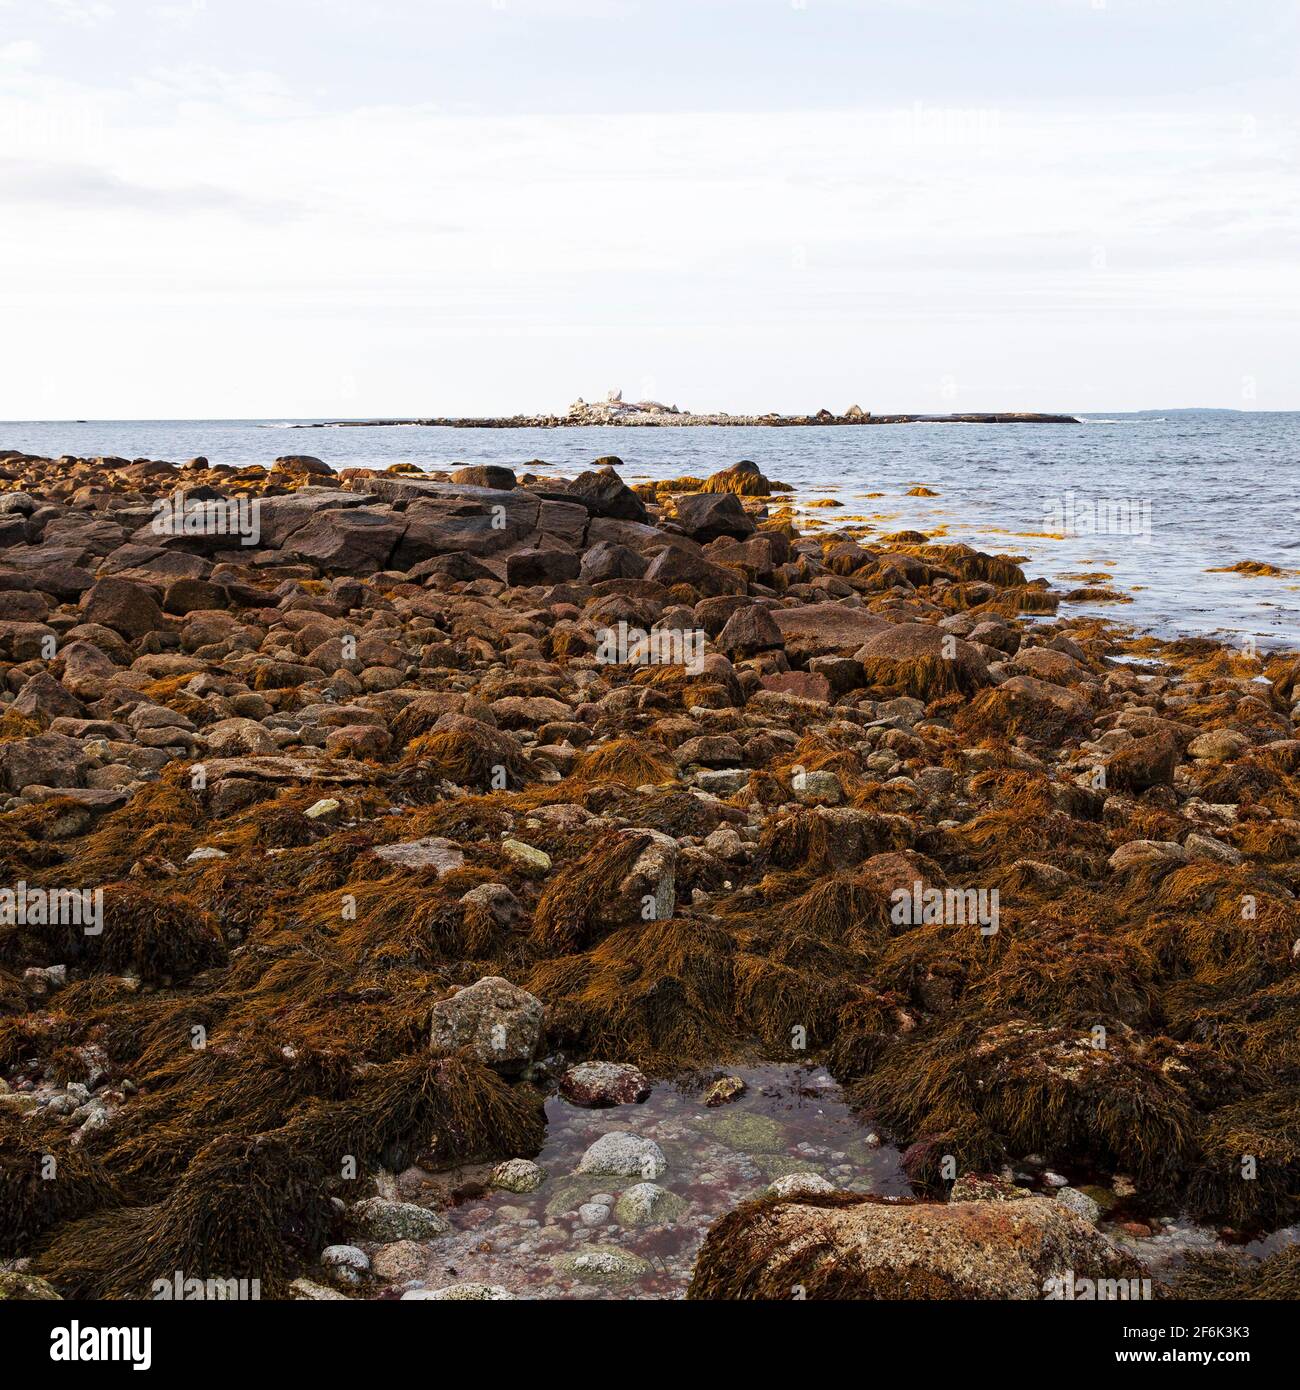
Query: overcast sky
[[287, 208]]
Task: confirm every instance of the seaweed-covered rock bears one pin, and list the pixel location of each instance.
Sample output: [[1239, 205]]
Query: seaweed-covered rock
[[854, 1247]]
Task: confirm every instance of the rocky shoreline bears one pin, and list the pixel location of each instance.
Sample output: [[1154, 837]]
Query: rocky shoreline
[[362, 829]]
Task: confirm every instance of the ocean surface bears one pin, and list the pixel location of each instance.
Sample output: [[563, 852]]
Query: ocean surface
[[1174, 495]]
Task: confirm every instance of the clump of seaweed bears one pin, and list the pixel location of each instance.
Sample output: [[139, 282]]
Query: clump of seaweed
[[247, 1207], [579, 905], [632, 761], [45, 1181]]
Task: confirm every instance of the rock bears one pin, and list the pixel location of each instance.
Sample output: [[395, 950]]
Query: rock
[[26, 1288], [1207, 847], [528, 856], [382, 1220], [495, 902], [650, 887], [825, 629], [1218, 746], [357, 540], [345, 1264], [604, 493], [799, 685], [307, 1290], [800, 1185], [184, 596], [498, 1021], [400, 1262], [922, 659], [491, 475], [232, 738], [593, 1214], [549, 565], [1139, 852], [724, 1090], [858, 1247], [518, 1175], [1143, 763], [1079, 1203], [609, 560], [302, 465], [431, 852], [749, 629], [604, 1264], [324, 809], [468, 1292], [648, 1204], [42, 694], [676, 564], [817, 788], [595, 1085], [125, 607], [622, 1154], [46, 760], [706, 516], [1038, 709], [983, 1187], [744, 1130]]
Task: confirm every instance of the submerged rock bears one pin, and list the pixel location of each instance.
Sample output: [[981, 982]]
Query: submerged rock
[[621, 1154], [595, 1085], [379, 1219], [518, 1175], [646, 1203], [604, 1264], [462, 1293]]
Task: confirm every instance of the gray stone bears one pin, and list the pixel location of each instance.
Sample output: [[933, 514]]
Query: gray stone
[[622, 1154]]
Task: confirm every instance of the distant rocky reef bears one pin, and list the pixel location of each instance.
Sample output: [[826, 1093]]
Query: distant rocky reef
[[614, 410]]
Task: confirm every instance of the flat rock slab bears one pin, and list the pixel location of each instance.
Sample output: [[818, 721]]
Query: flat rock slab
[[825, 629], [428, 853]]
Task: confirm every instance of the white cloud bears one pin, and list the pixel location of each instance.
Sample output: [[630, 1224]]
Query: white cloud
[[1067, 254], [20, 53]]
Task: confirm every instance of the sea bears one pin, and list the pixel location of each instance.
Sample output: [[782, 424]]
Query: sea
[[1156, 506]]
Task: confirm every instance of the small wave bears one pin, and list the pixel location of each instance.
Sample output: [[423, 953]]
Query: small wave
[[1107, 420]]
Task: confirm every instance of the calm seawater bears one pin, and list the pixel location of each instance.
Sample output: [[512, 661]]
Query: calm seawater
[[1187, 491]]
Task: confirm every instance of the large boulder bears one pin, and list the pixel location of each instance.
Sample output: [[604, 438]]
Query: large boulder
[[499, 1022], [493, 475], [127, 608], [849, 1246], [825, 629], [750, 629], [919, 659], [355, 541], [47, 760], [546, 565], [705, 516], [604, 493], [678, 565]]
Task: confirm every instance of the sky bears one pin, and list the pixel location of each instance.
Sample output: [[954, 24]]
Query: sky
[[356, 208]]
